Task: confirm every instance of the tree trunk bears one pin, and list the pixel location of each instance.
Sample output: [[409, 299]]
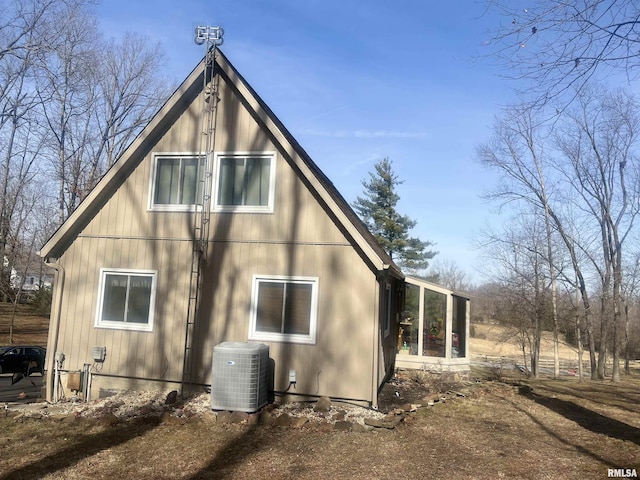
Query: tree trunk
[[627, 368]]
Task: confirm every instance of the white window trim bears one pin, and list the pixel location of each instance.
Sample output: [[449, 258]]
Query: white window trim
[[152, 184], [284, 337], [148, 327], [245, 208]]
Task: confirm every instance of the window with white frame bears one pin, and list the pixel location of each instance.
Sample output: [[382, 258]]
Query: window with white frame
[[245, 182], [284, 309], [126, 299], [177, 181]]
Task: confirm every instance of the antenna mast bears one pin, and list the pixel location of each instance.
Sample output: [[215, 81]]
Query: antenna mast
[[211, 37]]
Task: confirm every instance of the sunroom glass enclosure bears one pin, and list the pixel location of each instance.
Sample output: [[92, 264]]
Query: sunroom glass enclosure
[[434, 328]]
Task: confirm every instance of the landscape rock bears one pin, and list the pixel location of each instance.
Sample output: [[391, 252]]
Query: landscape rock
[[171, 397], [373, 422], [326, 427], [210, 418], [343, 425], [298, 422], [239, 417], [169, 419], [253, 419], [266, 418], [358, 428], [283, 420], [323, 405], [108, 420], [341, 415], [224, 417]]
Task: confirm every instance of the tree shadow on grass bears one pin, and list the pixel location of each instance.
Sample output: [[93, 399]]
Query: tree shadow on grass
[[586, 418], [82, 446], [235, 453]]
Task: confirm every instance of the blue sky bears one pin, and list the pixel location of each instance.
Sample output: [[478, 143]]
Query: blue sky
[[358, 81]]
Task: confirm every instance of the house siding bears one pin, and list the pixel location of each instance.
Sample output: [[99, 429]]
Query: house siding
[[300, 238]]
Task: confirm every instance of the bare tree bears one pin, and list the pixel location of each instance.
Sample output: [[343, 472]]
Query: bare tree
[[131, 89], [97, 96], [449, 274], [598, 140], [518, 152], [558, 46], [520, 268]]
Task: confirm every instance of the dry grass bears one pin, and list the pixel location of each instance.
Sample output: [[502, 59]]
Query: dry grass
[[28, 328], [497, 340], [522, 428], [544, 429]]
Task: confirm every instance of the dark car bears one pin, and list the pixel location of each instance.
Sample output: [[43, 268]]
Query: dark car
[[22, 359]]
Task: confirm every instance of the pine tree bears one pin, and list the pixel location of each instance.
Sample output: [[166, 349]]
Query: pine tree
[[377, 209]]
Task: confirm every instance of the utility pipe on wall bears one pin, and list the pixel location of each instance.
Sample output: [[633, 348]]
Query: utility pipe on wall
[[54, 324]]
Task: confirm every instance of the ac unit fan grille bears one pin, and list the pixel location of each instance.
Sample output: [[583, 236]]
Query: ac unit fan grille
[[240, 377]]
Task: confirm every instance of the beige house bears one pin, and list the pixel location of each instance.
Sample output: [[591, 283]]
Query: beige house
[[285, 260]]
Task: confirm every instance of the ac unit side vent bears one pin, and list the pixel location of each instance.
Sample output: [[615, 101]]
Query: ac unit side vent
[[240, 376]]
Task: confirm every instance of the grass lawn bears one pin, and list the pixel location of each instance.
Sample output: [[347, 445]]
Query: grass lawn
[[540, 429], [515, 428]]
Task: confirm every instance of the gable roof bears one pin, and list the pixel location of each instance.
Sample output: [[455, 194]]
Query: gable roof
[[324, 189]]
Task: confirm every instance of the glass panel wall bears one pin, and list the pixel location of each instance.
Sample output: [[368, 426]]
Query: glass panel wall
[[410, 322], [459, 324], [435, 323]]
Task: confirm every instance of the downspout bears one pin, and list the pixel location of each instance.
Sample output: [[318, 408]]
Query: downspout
[[54, 324]]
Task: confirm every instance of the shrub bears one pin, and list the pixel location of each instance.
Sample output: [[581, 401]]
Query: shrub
[[41, 301]]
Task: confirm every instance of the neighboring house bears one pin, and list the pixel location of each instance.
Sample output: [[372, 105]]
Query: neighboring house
[[30, 274], [287, 264]]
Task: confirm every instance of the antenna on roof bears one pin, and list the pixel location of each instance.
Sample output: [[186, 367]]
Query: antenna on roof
[[211, 35]]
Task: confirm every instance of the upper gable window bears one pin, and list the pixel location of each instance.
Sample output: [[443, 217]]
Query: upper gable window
[[177, 182], [245, 182]]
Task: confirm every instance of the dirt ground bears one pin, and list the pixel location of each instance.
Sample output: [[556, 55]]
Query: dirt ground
[[486, 428], [28, 328], [517, 428]]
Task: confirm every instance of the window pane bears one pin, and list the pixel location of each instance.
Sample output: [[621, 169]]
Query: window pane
[[115, 295], [410, 321], [230, 185], [435, 318], [167, 181], [257, 174], [139, 299], [244, 181], [269, 308], [459, 325], [189, 181], [297, 309]]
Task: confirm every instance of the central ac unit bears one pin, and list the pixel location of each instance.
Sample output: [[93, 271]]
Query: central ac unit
[[240, 376]]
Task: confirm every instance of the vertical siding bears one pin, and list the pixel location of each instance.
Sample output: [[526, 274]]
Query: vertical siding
[[298, 238]]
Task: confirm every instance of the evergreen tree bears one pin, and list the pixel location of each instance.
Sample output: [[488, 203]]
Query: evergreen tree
[[377, 209]]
